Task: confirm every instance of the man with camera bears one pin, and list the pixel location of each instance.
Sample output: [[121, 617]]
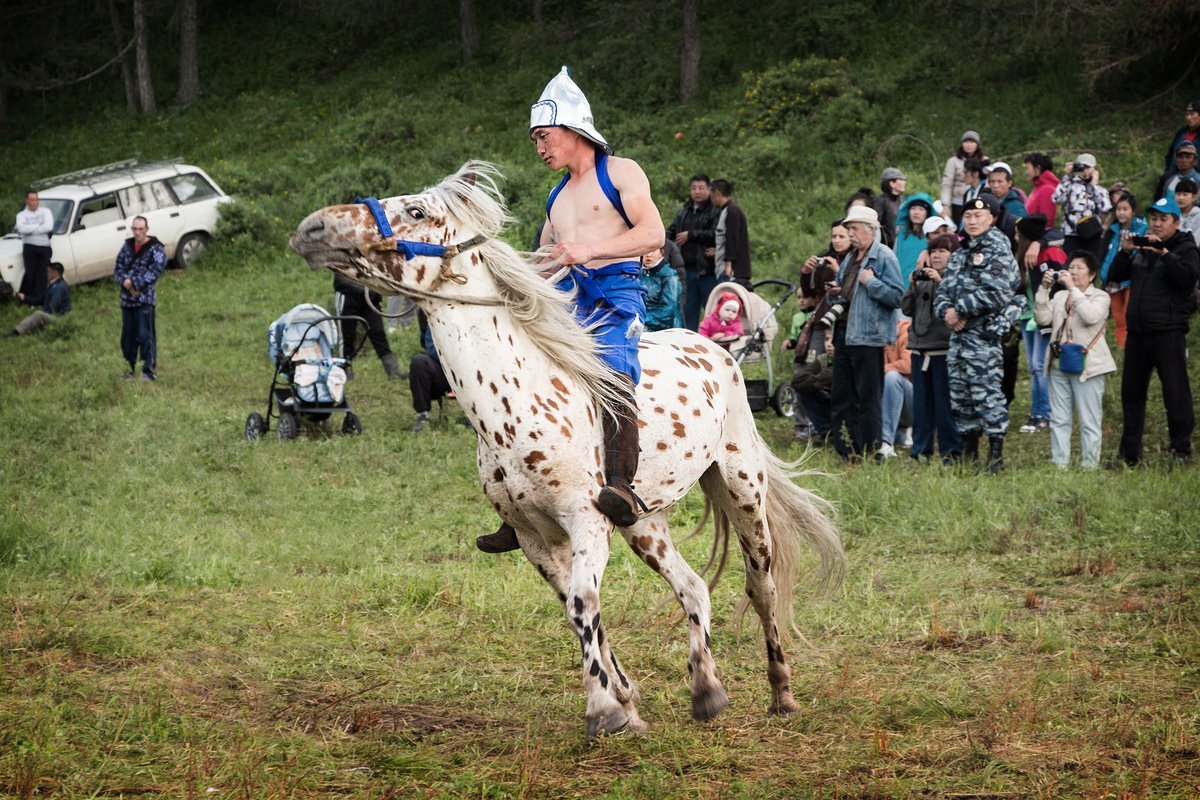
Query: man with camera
[[976, 299], [1162, 268], [864, 308], [1083, 200]]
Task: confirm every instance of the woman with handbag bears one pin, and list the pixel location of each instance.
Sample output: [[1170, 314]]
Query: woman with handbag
[[1079, 356]]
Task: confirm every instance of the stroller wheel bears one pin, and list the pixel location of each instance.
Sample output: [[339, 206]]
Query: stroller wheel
[[785, 400], [255, 427], [352, 425], [287, 427]]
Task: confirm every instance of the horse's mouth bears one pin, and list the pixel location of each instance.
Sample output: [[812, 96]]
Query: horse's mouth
[[320, 257]]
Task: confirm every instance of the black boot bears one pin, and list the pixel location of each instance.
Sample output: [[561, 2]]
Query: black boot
[[502, 541], [995, 462], [391, 366], [617, 500], [970, 453]]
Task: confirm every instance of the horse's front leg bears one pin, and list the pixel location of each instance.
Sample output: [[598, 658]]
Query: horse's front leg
[[650, 538], [589, 534], [553, 563]]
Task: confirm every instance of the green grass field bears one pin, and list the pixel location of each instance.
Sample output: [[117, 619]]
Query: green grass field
[[189, 615]]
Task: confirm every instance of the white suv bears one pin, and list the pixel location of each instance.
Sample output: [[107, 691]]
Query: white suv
[[92, 210]]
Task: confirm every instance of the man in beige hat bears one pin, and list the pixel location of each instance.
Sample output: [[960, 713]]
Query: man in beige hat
[[600, 220]]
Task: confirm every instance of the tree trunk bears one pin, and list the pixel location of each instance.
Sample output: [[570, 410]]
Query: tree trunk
[[189, 70], [141, 31], [131, 101], [468, 30], [689, 59], [537, 12]]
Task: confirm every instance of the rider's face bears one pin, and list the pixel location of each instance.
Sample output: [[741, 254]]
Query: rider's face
[[551, 144]]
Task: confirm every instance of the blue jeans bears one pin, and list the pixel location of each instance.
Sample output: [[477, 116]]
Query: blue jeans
[[1036, 345], [931, 408], [897, 398], [696, 293], [138, 334]]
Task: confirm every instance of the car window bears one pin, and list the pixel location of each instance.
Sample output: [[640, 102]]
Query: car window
[[143, 197], [99, 210], [192, 188]]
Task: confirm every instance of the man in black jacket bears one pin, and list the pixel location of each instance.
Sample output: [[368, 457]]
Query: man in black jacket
[[1162, 277], [694, 230], [733, 236]]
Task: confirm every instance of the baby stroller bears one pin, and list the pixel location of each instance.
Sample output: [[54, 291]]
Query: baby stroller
[[758, 321], [309, 380]]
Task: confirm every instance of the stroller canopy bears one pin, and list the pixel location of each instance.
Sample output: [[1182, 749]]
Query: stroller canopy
[[291, 336], [756, 315]]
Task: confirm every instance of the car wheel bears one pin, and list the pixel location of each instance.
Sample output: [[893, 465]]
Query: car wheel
[[352, 425], [785, 400], [288, 427], [189, 250], [255, 427]]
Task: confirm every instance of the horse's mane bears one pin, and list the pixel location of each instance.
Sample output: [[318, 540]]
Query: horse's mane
[[544, 312]]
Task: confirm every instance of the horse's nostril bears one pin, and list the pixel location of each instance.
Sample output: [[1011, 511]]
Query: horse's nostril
[[314, 232]]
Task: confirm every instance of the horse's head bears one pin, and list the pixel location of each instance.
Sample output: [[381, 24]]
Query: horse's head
[[426, 231]]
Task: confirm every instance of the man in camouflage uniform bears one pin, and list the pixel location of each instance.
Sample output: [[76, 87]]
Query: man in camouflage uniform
[[977, 302]]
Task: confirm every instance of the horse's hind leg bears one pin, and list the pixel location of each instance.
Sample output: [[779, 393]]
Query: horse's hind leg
[[651, 540], [737, 488], [618, 711]]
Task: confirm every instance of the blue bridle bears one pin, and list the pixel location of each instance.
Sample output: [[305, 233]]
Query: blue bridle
[[411, 250]]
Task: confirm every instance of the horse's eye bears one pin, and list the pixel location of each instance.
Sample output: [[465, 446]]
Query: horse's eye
[[415, 212]]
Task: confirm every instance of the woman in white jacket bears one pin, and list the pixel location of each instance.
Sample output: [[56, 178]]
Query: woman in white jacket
[[1078, 315], [954, 183]]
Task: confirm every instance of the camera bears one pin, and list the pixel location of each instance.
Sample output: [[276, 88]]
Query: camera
[[919, 274], [1140, 241], [1078, 167], [1053, 273], [836, 309]]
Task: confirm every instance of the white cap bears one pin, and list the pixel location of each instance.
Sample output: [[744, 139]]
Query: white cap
[[562, 104], [995, 165], [862, 214], [932, 224], [1087, 159]]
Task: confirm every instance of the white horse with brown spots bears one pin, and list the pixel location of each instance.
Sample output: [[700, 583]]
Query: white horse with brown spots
[[532, 385]]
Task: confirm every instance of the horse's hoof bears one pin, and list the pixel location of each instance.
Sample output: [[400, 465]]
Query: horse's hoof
[[614, 721], [783, 706], [707, 705]]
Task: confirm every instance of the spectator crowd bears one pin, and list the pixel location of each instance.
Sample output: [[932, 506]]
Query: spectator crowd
[[910, 324]]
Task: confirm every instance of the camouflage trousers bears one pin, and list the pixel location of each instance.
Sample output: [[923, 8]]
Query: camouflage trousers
[[975, 364]]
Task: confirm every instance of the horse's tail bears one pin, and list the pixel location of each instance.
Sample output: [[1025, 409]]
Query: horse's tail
[[793, 515]]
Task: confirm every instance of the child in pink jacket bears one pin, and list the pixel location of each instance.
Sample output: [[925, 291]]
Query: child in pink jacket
[[724, 324]]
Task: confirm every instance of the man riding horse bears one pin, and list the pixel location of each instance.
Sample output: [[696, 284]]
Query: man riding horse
[[600, 220]]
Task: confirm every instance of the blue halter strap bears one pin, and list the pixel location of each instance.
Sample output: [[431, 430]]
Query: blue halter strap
[[411, 250]]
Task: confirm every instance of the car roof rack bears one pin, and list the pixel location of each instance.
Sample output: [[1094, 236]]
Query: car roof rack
[[91, 175]]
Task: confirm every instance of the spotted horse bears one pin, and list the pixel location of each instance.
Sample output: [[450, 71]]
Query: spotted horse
[[532, 385]]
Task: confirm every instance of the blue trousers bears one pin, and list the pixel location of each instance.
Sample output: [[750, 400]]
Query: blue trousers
[[613, 300], [1036, 345], [931, 408], [138, 335], [696, 293]]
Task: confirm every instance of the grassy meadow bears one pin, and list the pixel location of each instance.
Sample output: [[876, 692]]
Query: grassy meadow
[[185, 614]]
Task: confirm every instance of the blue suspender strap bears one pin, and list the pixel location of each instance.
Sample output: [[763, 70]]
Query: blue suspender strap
[[554, 194], [606, 185]]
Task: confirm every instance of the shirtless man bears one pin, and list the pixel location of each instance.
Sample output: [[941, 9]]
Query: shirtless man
[[599, 221]]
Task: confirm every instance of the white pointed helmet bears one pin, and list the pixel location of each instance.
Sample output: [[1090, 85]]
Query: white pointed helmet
[[562, 104]]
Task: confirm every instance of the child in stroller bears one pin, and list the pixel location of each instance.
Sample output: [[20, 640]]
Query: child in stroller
[[301, 344]]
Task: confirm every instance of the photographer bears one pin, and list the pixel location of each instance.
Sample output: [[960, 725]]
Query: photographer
[[929, 340], [1031, 233], [1076, 315], [863, 317], [1083, 200], [1161, 268]]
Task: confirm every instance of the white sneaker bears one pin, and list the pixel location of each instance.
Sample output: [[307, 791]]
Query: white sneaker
[[906, 438], [1030, 426], [886, 450]]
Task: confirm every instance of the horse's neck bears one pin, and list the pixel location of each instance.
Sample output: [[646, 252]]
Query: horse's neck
[[488, 358]]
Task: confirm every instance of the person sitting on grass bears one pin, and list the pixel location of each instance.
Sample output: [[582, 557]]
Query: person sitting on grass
[[57, 302], [426, 379], [1077, 316], [724, 325]]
